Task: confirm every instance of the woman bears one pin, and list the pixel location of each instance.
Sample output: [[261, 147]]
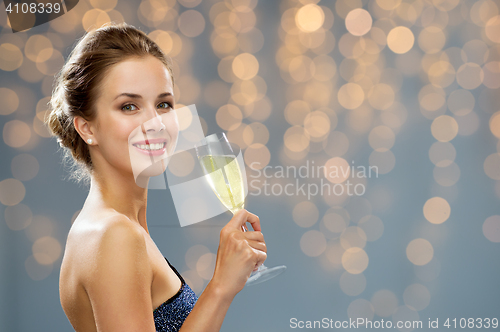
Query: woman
[[113, 277]]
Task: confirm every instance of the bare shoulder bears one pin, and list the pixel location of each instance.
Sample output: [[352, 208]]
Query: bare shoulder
[[117, 230], [114, 271], [102, 242]]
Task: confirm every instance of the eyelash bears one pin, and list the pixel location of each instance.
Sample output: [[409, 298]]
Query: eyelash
[[163, 102]]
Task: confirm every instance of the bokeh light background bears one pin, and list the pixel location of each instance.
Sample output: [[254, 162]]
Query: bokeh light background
[[409, 86]]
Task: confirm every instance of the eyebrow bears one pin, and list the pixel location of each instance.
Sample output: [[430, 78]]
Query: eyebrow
[[136, 96]]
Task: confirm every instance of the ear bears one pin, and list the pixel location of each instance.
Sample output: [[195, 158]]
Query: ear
[[84, 128]]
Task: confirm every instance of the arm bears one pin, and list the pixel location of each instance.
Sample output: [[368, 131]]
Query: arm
[[119, 282], [238, 254]]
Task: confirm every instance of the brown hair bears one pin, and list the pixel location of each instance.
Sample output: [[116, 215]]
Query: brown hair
[[76, 85]]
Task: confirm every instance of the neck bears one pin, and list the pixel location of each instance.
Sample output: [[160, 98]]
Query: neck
[[120, 193]]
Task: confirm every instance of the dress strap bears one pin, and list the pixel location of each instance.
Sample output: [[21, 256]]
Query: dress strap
[[175, 270]]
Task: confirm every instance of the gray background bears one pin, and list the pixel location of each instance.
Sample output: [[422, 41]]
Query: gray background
[[468, 281]]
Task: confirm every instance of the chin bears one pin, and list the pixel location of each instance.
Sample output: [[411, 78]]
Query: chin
[[154, 170], [146, 166]]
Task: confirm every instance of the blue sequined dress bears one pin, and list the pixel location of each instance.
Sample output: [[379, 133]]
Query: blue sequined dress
[[170, 315]]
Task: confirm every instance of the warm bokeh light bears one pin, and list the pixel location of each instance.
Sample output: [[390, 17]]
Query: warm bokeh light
[[12, 192], [193, 254], [381, 138], [495, 124], [191, 23], [295, 139], [384, 302], [491, 228], [444, 128], [18, 217], [38, 48], [437, 210], [337, 170], [358, 22], [333, 224], [388, 4], [94, 18], [360, 308], [169, 42], [52, 65], [11, 57], [229, 117], [10, 101], [381, 96], [355, 260], [193, 279], [492, 166], [492, 29], [491, 72], [296, 111], [105, 5], [325, 68], [442, 154], [39, 227], [334, 253], [400, 40], [317, 125], [46, 250], [470, 75], [339, 84], [447, 176], [352, 284], [461, 102], [313, 243], [419, 251], [353, 236], [417, 296], [431, 39], [35, 270], [310, 18], [432, 98], [181, 164], [245, 66], [205, 265], [305, 214], [351, 95], [257, 155]]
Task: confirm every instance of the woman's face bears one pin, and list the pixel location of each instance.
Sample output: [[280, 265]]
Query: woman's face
[[136, 128]]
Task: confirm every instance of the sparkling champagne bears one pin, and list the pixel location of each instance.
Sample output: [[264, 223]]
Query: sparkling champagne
[[224, 176]]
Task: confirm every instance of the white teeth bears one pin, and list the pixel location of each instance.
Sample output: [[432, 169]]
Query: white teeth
[[156, 146]]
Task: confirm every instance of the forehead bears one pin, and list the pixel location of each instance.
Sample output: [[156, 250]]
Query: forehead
[[141, 75]]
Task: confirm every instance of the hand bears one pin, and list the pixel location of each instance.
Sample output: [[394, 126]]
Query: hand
[[239, 252]]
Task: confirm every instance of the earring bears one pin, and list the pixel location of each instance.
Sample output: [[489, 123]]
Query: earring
[[90, 141]]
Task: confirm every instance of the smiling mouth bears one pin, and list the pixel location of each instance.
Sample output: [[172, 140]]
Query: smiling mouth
[[150, 147]]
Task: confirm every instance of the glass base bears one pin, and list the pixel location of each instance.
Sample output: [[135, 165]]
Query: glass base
[[264, 273]]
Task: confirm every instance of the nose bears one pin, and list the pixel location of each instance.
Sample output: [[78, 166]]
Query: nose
[[154, 124]]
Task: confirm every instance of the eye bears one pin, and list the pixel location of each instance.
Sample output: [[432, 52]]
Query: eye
[[164, 105], [129, 107]]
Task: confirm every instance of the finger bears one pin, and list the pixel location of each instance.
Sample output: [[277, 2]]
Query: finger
[[254, 221], [254, 235], [261, 257], [257, 245], [238, 220]]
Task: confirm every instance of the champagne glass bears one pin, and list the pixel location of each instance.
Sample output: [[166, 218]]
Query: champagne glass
[[219, 163]]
